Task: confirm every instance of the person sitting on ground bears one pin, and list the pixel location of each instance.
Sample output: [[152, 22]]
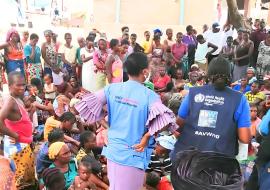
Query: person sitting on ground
[[255, 120], [53, 179], [98, 173], [87, 143], [60, 153], [254, 97], [42, 159], [161, 82], [193, 80], [83, 181], [243, 87], [160, 159], [76, 88], [152, 181]]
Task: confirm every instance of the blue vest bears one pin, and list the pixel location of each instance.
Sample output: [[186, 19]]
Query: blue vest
[[128, 106], [210, 125]]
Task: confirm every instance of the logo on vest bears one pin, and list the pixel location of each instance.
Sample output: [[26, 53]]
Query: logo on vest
[[199, 98]]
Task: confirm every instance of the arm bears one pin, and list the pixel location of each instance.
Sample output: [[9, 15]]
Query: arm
[[4, 46], [44, 56], [108, 65], [214, 47], [5, 111], [85, 59], [242, 118], [64, 59], [33, 53], [98, 182]]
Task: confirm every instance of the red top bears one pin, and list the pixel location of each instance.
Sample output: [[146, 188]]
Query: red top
[[161, 82], [22, 127]]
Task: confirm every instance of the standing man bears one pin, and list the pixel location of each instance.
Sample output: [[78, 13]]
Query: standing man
[[146, 44], [214, 117], [68, 54], [257, 37], [16, 125], [81, 42], [216, 37], [191, 41], [135, 46]]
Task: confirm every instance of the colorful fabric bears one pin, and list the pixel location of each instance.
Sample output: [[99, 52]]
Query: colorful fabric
[[50, 124], [54, 149], [117, 70], [82, 153], [161, 82], [78, 56], [124, 177], [15, 65], [252, 97], [23, 156], [34, 71], [146, 46]]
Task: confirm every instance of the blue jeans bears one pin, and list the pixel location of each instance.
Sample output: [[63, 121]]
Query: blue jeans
[[264, 177], [15, 65]]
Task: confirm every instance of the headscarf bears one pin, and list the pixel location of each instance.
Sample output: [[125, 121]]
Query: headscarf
[[10, 32], [46, 32], [54, 149]]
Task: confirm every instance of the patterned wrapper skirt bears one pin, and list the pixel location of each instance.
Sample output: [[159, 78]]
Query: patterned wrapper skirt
[[34, 70], [22, 155]]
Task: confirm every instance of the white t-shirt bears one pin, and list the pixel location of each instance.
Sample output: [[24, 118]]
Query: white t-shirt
[[216, 39], [201, 52]]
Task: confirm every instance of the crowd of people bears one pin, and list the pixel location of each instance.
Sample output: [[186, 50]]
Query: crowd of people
[[115, 114]]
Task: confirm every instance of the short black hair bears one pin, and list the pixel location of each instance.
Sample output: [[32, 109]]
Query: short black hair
[[124, 42], [168, 29], [113, 43], [87, 164], [85, 136], [36, 82], [229, 38], [179, 33], [51, 176], [146, 32], [96, 165], [67, 116], [67, 34], [135, 63], [124, 28], [90, 38], [152, 179], [219, 66], [12, 75], [49, 75], [33, 36], [199, 37], [189, 27], [134, 35], [55, 135]]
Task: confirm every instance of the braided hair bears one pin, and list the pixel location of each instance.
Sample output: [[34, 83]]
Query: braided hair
[[51, 177]]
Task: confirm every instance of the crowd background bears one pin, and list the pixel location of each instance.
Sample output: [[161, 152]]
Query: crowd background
[[57, 75]]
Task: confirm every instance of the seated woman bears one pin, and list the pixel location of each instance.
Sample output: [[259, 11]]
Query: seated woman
[[75, 87], [243, 87], [255, 97], [61, 156], [160, 82]]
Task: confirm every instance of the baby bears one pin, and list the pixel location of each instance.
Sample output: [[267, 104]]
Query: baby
[[82, 181]]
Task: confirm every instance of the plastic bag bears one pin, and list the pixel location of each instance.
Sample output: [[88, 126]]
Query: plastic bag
[[205, 171]]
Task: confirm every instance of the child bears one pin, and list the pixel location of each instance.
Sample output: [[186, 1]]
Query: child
[[83, 181], [53, 179], [98, 176], [152, 181], [87, 143], [255, 120], [49, 88], [193, 78], [160, 160]]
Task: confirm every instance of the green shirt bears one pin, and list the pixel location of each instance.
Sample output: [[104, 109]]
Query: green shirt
[[78, 56]]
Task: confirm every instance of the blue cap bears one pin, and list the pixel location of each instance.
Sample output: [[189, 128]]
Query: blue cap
[[215, 25], [158, 31], [166, 142]]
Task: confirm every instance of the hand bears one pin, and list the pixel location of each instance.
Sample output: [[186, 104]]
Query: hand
[[144, 142]]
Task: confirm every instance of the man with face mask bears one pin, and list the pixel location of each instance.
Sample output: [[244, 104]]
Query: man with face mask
[[214, 117]]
